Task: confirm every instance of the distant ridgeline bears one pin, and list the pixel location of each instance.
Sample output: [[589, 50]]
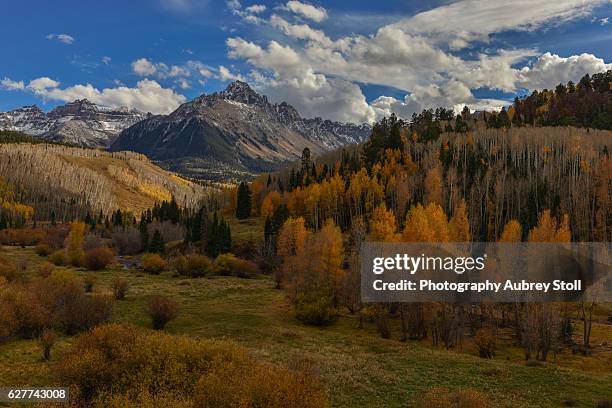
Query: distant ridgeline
[[542, 155]]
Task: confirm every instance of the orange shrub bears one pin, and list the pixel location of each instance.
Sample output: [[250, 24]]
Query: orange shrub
[[98, 258], [153, 263], [120, 288], [58, 258], [45, 269], [193, 265], [230, 265], [136, 364], [43, 249], [8, 270], [161, 310]]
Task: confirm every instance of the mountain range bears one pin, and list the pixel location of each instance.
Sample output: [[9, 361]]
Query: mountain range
[[233, 133], [230, 134], [79, 123]]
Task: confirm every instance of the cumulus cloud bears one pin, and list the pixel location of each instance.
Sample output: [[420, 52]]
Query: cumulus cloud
[[300, 31], [550, 70], [316, 14], [147, 96], [419, 55], [106, 60], [65, 38], [147, 68], [226, 75], [11, 85]]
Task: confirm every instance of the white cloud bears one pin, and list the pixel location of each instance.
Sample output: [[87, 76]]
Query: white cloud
[[201, 68], [11, 85], [40, 85], [147, 96], [462, 22], [256, 9], [226, 75], [143, 67], [65, 38], [604, 21], [146, 68], [183, 83], [316, 14], [550, 70], [417, 55], [106, 60], [300, 31]]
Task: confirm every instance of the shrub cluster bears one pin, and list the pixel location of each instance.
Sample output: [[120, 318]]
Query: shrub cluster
[[120, 365], [193, 265], [153, 263], [98, 258], [161, 310], [230, 265], [57, 301]]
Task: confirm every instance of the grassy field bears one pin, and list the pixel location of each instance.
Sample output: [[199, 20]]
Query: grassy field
[[358, 368]]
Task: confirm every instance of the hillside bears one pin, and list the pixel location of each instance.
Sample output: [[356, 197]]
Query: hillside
[[71, 181], [233, 133]]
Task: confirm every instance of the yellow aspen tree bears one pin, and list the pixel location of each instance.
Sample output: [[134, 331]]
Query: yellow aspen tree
[[433, 186], [331, 255], [459, 227], [417, 226], [438, 222], [75, 240], [383, 226], [548, 230], [270, 203], [512, 232]]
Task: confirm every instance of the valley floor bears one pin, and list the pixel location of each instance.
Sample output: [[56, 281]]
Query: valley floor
[[357, 367]]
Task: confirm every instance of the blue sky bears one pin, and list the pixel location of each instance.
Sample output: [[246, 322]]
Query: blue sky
[[350, 61]]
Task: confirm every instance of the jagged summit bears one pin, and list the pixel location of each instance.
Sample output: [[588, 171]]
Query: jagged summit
[[236, 127]]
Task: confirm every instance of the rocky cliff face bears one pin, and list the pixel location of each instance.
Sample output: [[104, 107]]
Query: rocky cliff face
[[81, 122]]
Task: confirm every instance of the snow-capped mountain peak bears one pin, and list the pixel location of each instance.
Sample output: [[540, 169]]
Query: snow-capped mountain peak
[[80, 122]]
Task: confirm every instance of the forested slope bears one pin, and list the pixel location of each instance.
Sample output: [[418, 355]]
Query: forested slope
[[67, 182]]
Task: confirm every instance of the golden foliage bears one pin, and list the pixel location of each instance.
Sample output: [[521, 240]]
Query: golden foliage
[[383, 226], [512, 232], [549, 230]]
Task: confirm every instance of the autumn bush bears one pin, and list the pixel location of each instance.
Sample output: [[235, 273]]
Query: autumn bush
[[486, 342], [90, 280], [98, 258], [74, 243], [120, 288], [47, 340], [8, 270], [153, 263], [230, 265], [440, 397], [45, 269], [58, 258], [161, 310], [315, 309], [193, 265], [131, 364], [43, 249], [56, 301]]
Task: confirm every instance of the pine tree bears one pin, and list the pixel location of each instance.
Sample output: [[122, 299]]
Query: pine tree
[[157, 243], [144, 235], [243, 205]]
